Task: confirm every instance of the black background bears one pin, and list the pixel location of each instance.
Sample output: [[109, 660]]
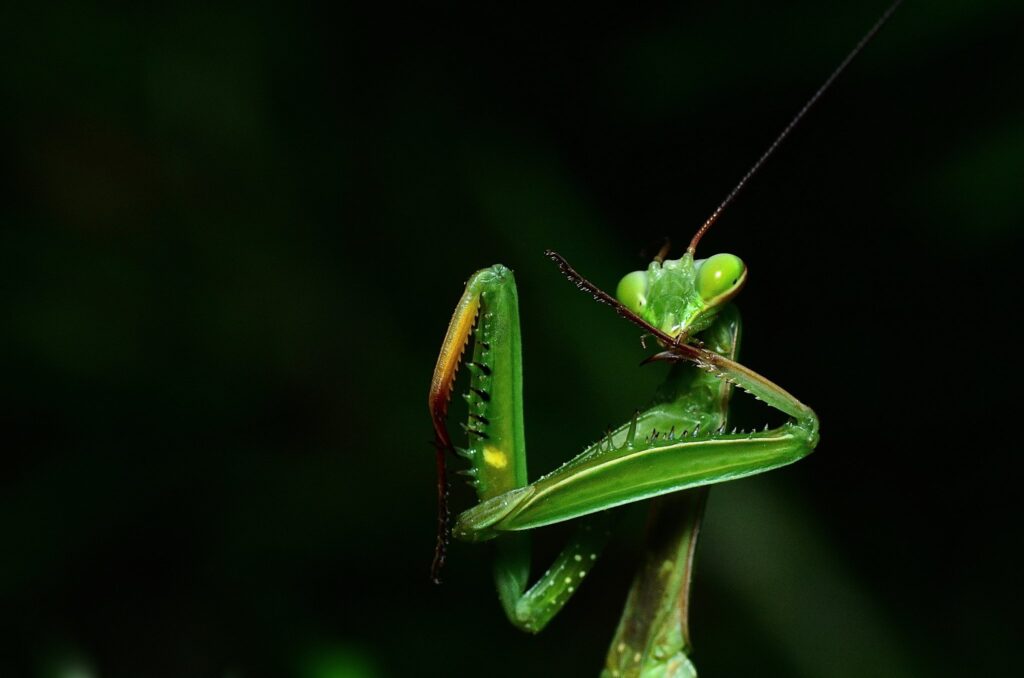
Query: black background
[[233, 236]]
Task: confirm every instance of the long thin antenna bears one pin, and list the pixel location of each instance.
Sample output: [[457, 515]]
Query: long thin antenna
[[792, 123]]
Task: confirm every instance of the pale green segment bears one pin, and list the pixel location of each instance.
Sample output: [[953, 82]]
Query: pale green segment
[[497, 453], [496, 439], [535, 607], [628, 473], [805, 422]]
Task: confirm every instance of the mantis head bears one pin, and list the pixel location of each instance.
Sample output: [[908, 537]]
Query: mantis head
[[682, 296]]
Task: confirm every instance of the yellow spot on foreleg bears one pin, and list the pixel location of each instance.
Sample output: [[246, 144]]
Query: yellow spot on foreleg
[[495, 457]]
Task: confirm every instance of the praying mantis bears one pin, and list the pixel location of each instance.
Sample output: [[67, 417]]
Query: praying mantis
[[668, 453]]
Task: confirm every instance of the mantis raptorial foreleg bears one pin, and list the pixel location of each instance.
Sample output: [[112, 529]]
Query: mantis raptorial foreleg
[[629, 470], [496, 450]]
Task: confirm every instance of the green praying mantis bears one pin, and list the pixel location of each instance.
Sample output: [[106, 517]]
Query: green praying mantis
[[669, 452]]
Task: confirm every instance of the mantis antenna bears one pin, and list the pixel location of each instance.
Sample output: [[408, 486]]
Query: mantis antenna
[[692, 248]]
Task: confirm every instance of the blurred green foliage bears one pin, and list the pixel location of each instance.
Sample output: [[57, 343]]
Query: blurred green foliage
[[233, 235]]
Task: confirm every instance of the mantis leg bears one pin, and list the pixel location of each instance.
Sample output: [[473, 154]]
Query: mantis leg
[[633, 467], [489, 312]]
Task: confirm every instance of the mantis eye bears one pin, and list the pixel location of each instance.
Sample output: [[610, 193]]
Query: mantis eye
[[719, 277], [632, 291]]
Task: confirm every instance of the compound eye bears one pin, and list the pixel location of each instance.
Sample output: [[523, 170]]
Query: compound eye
[[632, 291], [720, 276]]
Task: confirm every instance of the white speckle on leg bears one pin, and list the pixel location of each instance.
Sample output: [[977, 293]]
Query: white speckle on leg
[[568, 580], [582, 572], [577, 557], [593, 556]]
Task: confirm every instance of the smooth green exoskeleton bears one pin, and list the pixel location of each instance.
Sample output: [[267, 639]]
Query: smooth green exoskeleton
[[669, 452]]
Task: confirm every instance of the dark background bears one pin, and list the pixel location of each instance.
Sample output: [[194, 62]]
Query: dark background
[[233, 236]]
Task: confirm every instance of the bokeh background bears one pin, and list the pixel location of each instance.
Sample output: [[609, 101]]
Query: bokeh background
[[233, 236]]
